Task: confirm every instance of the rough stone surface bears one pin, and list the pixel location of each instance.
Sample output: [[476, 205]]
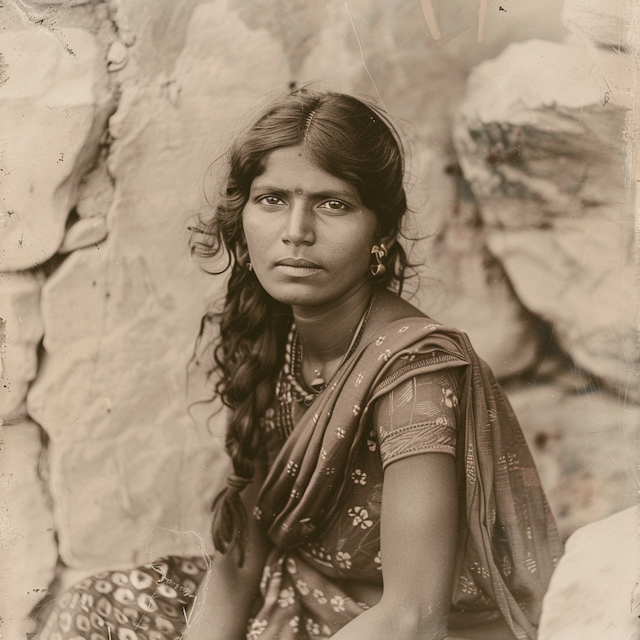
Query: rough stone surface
[[20, 333], [84, 233], [464, 286], [111, 390], [595, 589], [586, 447], [540, 141], [28, 550], [51, 120]]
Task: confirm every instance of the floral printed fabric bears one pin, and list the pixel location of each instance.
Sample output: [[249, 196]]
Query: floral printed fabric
[[151, 602], [326, 509]]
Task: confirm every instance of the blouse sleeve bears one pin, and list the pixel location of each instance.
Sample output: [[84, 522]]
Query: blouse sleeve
[[420, 415]]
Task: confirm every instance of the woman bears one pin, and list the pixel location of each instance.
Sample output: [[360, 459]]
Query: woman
[[381, 486]]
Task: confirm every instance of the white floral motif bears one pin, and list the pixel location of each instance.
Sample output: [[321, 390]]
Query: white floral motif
[[312, 627], [480, 570], [302, 586], [291, 565], [286, 598], [323, 454], [378, 561], [294, 494], [343, 559], [257, 513], [337, 603], [340, 432], [330, 471], [512, 461], [380, 340], [450, 399], [403, 329], [292, 467], [360, 517], [256, 629], [467, 586], [385, 355], [318, 551], [359, 477], [530, 563], [359, 380], [506, 567], [319, 596], [294, 622], [356, 409]]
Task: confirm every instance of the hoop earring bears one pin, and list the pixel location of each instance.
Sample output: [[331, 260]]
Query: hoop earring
[[378, 270]]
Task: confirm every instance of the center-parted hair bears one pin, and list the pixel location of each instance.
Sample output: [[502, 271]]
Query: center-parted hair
[[347, 138]]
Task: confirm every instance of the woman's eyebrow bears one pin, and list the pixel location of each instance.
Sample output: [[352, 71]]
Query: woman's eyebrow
[[325, 193]]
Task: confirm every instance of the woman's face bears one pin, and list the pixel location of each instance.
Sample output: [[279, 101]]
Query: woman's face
[[309, 236]]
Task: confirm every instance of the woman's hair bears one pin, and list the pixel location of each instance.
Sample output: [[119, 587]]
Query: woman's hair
[[347, 138]]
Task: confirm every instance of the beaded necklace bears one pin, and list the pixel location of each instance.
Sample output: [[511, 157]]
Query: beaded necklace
[[290, 383]]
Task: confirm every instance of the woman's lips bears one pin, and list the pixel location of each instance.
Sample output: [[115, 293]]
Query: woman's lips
[[297, 266]]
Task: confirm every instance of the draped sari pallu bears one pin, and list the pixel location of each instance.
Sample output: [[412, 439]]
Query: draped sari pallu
[[507, 543]]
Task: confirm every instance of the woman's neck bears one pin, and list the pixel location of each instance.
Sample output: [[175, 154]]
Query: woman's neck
[[326, 333]]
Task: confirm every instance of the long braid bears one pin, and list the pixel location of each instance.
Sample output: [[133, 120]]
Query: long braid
[[248, 355]]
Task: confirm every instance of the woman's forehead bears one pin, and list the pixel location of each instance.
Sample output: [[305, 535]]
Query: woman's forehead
[[293, 169]]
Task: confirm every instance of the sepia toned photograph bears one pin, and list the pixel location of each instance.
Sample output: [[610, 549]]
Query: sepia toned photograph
[[319, 319]]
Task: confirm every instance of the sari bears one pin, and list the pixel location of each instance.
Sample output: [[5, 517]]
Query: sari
[[507, 542], [320, 507]]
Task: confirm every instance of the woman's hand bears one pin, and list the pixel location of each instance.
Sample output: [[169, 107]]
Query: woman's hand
[[418, 544]]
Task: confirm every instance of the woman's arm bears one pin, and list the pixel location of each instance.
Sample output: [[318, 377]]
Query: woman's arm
[[223, 605], [417, 542]]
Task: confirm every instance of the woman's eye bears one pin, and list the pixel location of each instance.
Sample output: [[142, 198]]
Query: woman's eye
[[333, 205], [271, 200]]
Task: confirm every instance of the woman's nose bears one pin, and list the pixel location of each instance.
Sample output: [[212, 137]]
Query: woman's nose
[[299, 225]]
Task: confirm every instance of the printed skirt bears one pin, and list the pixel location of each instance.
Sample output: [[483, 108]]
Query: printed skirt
[[152, 602]]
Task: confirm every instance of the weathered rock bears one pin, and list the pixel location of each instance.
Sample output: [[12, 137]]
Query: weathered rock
[[95, 192], [20, 334], [595, 589], [121, 318], [52, 120], [464, 286], [540, 141], [84, 233], [28, 553], [587, 449], [117, 56]]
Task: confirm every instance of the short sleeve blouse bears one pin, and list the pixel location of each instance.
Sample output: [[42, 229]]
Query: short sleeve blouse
[[418, 416]]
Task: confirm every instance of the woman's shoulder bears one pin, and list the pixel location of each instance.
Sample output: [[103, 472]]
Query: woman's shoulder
[[389, 312]]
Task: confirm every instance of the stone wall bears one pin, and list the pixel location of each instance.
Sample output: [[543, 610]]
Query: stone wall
[[112, 113]]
